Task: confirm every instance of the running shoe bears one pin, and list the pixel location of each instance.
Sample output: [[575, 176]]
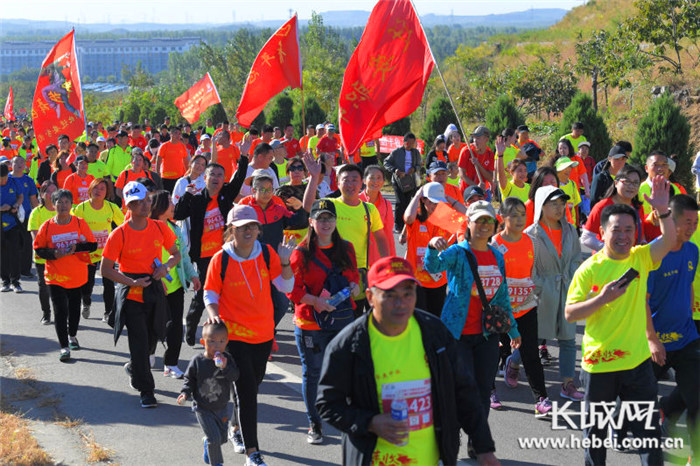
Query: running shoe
[[543, 407], [5, 288], [17, 288], [45, 320], [206, 453], [495, 401], [255, 459], [570, 392], [173, 371], [511, 374], [64, 355], [545, 357], [236, 439], [73, 343], [148, 400], [85, 311], [105, 318], [314, 436]]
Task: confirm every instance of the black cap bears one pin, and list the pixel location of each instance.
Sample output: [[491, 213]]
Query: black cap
[[437, 166], [522, 128], [473, 191], [557, 194], [617, 151], [122, 134], [81, 158], [322, 206]]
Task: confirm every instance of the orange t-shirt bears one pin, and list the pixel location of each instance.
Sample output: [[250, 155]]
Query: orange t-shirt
[[135, 250], [491, 279], [418, 236], [454, 192], [213, 233], [236, 136], [228, 158], [62, 175], [441, 156], [78, 186], [304, 142], [554, 237], [454, 150], [245, 303], [68, 271], [173, 157], [254, 144], [519, 258], [578, 171], [129, 175]]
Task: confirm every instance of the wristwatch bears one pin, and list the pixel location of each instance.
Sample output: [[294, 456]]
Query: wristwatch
[[662, 216]]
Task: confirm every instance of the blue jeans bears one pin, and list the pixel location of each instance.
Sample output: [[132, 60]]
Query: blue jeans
[[311, 345], [567, 358]]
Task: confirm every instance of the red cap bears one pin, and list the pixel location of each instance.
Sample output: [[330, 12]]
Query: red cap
[[388, 272]]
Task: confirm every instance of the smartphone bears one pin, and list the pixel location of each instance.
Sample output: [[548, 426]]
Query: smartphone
[[627, 277]]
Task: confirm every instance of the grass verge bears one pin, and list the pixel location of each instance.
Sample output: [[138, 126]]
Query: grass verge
[[18, 446]]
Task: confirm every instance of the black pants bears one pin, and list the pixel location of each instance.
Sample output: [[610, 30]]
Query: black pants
[[107, 289], [66, 312], [194, 313], [480, 357], [402, 200], [280, 304], [10, 250], [169, 184], [530, 353], [367, 161], [44, 294], [173, 335], [139, 326], [686, 363], [27, 254], [431, 299], [636, 384], [251, 360]]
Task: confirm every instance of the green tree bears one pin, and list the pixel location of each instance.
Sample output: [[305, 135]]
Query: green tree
[[545, 87], [313, 112], [282, 111], [398, 128], [665, 24], [130, 111], [503, 114], [665, 128], [259, 121], [581, 109], [439, 116], [608, 58], [217, 113]]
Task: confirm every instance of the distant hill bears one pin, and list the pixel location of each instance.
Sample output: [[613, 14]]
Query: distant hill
[[533, 18]]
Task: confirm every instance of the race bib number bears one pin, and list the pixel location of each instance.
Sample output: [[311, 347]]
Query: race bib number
[[65, 240], [101, 238], [420, 259], [519, 289], [83, 194], [213, 220], [419, 398], [491, 279]]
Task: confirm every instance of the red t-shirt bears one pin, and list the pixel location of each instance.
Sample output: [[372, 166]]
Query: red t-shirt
[[227, 157], [593, 222], [139, 142], [327, 144], [173, 157], [78, 186], [213, 233], [292, 146], [491, 279], [486, 159], [418, 236]]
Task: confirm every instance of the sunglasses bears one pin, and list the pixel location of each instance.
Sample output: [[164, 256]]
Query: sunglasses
[[296, 168]]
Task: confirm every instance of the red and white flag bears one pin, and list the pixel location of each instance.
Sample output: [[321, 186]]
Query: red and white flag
[[9, 114], [387, 73], [277, 66], [58, 101], [198, 98]]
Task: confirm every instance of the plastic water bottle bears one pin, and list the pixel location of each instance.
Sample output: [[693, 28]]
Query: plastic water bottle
[[399, 412], [218, 359], [339, 297]]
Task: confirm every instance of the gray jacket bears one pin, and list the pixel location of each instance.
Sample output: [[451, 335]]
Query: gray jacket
[[397, 161]]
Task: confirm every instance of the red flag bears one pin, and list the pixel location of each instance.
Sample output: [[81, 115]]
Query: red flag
[[277, 66], [448, 219], [9, 114], [198, 98], [387, 74], [58, 101]]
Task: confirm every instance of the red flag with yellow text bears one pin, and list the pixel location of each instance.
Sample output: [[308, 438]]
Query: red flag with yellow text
[[277, 66], [448, 219], [387, 73], [198, 98], [9, 114], [58, 101]]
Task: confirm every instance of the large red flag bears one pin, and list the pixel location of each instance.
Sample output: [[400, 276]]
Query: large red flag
[[387, 74], [58, 101], [448, 219], [9, 114], [198, 98], [277, 66]]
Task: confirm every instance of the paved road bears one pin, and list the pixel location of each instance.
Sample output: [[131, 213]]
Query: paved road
[[93, 387]]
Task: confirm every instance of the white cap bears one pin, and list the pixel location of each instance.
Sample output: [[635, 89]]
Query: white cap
[[671, 164], [434, 191], [134, 191]]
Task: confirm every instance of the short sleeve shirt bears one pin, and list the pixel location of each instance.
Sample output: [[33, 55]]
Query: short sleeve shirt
[[100, 223], [173, 157], [36, 219], [352, 226]]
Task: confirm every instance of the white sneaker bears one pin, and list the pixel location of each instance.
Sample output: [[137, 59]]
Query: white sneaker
[[173, 371], [255, 459], [152, 360], [236, 440]]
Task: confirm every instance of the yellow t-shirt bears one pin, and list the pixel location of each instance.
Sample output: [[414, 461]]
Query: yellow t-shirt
[[513, 191], [368, 149], [615, 335], [400, 367], [575, 141], [509, 155], [645, 188], [100, 223], [453, 181], [36, 219], [174, 284], [98, 169], [352, 226], [571, 189], [696, 284]]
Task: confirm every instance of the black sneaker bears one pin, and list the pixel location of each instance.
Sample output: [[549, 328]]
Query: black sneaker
[[148, 400], [17, 288], [314, 436], [46, 320], [545, 357], [5, 288]]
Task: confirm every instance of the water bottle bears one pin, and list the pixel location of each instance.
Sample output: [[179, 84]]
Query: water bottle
[[399, 412], [339, 297], [218, 360]]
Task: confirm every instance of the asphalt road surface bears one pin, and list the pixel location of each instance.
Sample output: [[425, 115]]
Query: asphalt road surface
[[94, 388]]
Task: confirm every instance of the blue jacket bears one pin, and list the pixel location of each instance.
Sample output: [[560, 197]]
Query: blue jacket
[[460, 281]]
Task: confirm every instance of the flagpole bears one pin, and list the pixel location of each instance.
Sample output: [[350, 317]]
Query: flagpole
[[447, 91], [301, 88], [80, 84]]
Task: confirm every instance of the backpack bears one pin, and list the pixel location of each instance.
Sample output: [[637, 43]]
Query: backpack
[[343, 313]]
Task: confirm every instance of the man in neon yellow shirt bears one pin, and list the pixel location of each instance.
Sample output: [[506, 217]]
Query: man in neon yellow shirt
[[313, 140], [656, 164], [619, 340], [399, 353], [576, 136]]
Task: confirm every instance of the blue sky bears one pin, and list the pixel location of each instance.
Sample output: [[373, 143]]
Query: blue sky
[[227, 11]]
